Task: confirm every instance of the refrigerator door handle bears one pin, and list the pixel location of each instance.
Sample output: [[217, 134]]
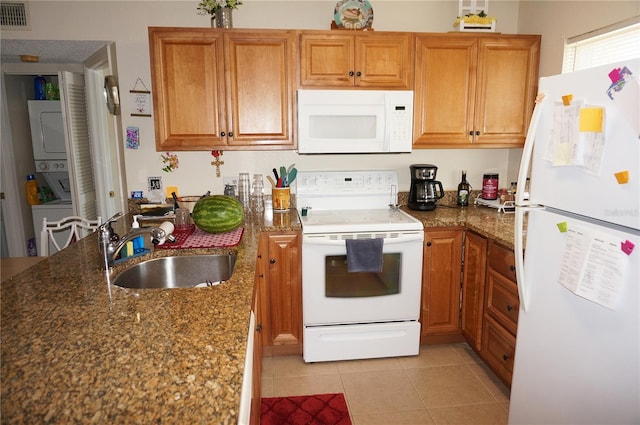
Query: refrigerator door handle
[[518, 243], [522, 202], [527, 152]]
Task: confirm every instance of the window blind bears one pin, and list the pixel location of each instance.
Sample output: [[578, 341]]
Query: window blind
[[609, 44]]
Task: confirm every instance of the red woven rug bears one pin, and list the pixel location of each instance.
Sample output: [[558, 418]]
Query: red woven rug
[[319, 409]]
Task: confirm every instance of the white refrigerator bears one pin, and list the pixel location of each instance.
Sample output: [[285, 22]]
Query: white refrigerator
[[577, 350]]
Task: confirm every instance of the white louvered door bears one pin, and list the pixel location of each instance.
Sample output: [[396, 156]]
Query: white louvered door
[[72, 95]]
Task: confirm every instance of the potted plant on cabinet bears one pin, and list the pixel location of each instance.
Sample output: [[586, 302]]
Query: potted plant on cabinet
[[220, 11]]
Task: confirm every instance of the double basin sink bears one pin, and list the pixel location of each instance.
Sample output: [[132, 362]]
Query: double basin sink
[[184, 271]]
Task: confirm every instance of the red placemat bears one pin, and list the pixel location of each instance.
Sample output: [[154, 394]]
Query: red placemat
[[196, 238]]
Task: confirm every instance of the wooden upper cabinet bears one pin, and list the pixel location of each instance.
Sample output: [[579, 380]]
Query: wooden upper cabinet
[[474, 91], [333, 59], [222, 89], [507, 89], [187, 107], [261, 69]]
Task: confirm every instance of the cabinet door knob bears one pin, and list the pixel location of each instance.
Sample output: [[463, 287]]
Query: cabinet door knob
[[259, 327], [505, 357], [222, 134], [272, 261], [358, 74], [231, 134], [429, 243], [512, 268], [477, 132], [261, 275], [350, 73], [471, 133], [509, 307]]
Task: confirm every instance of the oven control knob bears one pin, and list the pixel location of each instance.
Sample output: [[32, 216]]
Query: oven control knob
[[43, 166]]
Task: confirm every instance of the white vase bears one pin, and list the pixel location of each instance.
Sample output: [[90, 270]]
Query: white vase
[[224, 17]]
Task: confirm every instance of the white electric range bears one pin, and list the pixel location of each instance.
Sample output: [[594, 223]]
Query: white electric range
[[361, 314]]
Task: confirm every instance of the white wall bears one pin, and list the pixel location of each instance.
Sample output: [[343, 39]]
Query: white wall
[[126, 22], [559, 20]]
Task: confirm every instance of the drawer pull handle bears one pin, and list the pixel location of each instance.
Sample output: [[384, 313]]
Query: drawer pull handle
[[509, 307], [505, 357]]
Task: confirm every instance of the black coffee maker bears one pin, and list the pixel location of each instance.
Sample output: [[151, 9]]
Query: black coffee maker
[[425, 190]]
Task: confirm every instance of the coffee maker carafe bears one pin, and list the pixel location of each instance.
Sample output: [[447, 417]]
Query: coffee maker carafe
[[425, 190]]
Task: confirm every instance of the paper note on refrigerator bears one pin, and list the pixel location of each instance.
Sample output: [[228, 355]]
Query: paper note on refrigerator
[[593, 266], [577, 136]]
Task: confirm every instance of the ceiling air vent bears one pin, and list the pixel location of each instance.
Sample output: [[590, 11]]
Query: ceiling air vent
[[14, 16]]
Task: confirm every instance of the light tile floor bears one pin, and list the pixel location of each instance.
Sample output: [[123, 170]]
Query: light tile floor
[[444, 384]]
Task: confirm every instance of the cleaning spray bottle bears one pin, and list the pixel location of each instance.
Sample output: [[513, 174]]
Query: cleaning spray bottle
[[138, 241]]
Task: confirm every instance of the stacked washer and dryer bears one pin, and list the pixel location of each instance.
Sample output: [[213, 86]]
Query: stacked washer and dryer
[[50, 155]]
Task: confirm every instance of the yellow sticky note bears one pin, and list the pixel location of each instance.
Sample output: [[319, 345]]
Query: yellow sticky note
[[622, 177], [591, 119], [566, 99], [171, 189], [562, 227]]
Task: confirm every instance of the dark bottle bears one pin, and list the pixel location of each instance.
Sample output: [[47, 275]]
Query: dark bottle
[[464, 189]]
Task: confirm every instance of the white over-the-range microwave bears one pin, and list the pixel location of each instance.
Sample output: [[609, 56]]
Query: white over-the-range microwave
[[355, 121]]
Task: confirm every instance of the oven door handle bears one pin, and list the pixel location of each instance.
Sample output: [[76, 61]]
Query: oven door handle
[[411, 237]]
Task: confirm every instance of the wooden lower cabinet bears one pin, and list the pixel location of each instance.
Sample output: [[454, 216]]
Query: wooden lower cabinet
[[256, 378], [473, 283], [278, 274], [498, 349], [441, 273], [501, 307]]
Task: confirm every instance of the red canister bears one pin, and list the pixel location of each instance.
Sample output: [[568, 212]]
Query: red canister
[[490, 186]]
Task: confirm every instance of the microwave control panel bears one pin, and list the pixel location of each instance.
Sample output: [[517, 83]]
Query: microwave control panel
[[400, 125]]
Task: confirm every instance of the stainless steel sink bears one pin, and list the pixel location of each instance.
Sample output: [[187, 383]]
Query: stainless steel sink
[[178, 272]]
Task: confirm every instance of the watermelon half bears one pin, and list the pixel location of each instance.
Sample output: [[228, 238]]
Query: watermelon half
[[218, 214]]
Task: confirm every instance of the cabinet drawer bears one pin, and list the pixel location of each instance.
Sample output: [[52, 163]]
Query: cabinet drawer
[[502, 260], [501, 301], [498, 349]]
